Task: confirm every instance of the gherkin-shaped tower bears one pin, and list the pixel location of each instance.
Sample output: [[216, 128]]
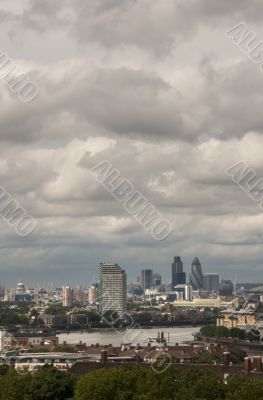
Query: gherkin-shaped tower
[[196, 275]]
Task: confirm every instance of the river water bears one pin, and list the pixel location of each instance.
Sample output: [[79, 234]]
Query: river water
[[134, 336]]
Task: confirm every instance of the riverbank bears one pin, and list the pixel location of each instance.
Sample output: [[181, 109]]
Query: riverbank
[[173, 335], [143, 325]]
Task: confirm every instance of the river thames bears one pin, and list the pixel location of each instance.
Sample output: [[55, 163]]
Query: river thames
[[177, 334]]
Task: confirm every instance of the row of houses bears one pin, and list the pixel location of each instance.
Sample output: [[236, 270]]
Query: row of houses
[[241, 319], [56, 321], [25, 339]]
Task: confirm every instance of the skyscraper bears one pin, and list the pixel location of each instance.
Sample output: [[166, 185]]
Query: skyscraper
[[112, 288], [196, 275], [178, 276], [226, 288], [67, 296], [93, 293], [211, 281], [146, 279], [188, 293], [157, 279]]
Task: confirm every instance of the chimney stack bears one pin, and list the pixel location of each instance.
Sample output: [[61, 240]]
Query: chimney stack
[[137, 356], [247, 365], [257, 363], [103, 356], [226, 355]]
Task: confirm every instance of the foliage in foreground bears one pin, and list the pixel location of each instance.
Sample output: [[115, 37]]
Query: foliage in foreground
[[140, 383], [47, 384], [127, 383]]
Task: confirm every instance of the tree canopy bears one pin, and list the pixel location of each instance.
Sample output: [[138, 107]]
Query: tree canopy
[[223, 332], [47, 384], [128, 383], [138, 383]]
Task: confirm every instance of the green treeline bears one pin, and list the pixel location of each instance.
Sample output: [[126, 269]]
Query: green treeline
[[140, 383], [127, 383], [222, 332]]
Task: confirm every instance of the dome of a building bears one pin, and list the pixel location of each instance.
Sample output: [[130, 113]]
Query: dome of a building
[[20, 288]]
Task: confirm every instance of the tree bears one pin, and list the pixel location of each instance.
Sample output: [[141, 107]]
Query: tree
[[138, 383], [51, 384], [10, 317], [93, 316], [3, 369], [242, 388], [238, 333], [237, 355], [56, 309], [222, 332], [201, 384], [208, 330], [143, 317], [65, 349], [108, 384], [14, 386]]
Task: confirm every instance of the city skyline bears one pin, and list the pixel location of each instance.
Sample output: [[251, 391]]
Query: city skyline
[[166, 278], [131, 199]]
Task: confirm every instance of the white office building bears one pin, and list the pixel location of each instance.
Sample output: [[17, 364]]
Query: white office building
[[184, 292]]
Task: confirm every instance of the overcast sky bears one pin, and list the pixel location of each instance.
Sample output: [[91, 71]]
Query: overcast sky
[[156, 88]]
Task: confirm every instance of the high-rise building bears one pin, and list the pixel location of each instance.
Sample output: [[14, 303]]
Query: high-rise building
[[188, 293], [67, 296], [146, 279], [157, 279], [135, 289], [226, 288], [211, 281], [93, 293], [178, 275], [196, 275], [185, 290], [10, 295], [112, 288], [36, 295], [78, 295]]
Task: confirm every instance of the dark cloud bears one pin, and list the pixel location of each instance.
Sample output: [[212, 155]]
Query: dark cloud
[[149, 24]]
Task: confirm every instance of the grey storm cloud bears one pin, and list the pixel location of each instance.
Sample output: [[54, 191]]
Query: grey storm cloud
[[134, 103], [151, 24]]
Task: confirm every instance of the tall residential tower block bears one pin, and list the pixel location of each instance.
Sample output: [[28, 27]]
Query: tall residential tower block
[[112, 288]]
